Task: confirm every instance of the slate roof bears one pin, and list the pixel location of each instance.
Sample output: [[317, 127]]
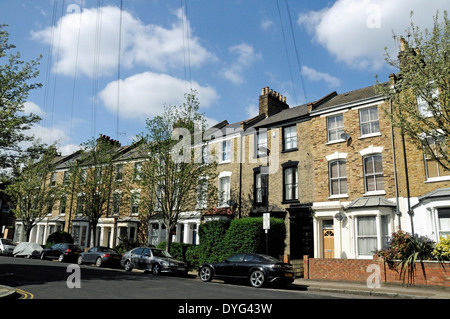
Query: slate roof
[[285, 116], [441, 192], [373, 201], [335, 100]]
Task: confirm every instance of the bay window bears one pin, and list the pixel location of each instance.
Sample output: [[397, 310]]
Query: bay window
[[372, 233]]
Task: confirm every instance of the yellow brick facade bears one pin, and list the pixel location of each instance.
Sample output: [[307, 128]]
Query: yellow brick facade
[[315, 208]]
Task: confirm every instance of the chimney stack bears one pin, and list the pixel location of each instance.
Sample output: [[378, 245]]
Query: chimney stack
[[271, 102], [106, 139]]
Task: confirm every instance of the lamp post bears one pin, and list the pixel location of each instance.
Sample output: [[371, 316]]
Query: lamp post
[[266, 216]]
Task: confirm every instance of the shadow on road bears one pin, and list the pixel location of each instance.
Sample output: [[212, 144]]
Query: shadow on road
[[35, 272]]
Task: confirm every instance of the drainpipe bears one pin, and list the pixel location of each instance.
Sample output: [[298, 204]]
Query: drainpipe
[[410, 213], [240, 174], [397, 211]]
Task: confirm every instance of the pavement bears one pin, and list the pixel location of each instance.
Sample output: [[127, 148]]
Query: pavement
[[385, 290], [352, 288], [7, 292]]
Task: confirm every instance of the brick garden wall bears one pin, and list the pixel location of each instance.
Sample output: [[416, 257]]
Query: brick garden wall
[[428, 273]]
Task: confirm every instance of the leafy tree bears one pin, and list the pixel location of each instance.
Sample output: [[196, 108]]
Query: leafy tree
[[420, 92], [91, 179], [15, 75], [173, 171], [32, 189]]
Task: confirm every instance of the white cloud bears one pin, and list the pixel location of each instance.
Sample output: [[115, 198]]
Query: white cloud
[[149, 45], [266, 24], [356, 31], [246, 56], [51, 135], [145, 95], [316, 76], [31, 107]]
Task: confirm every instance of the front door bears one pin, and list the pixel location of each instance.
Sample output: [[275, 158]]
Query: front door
[[328, 243], [301, 233]]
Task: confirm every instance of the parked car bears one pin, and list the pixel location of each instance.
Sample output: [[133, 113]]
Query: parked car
[[6, 247], [100, 256], [256, 268], [152, 259], [62, 252], [28, 250]]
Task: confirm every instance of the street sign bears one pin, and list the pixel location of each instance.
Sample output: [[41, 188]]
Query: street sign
[[266, 221]]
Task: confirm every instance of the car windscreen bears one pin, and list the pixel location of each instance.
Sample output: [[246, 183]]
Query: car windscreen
[[270, 259], [7, 241], [160, 253]]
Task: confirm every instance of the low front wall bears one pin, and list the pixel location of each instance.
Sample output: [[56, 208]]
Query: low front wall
[[430, 273]]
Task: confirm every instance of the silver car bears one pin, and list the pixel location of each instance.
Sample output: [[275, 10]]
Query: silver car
[[152, 259], [6, 246]]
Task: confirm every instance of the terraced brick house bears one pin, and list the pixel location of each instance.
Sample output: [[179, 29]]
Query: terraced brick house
[[335, 170]]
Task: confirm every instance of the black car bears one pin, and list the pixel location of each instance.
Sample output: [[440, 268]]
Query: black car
[[100, 256], [152, 259], [256, 268], [62, 252]]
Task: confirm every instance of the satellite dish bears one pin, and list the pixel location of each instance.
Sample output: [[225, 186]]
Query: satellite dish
[[345, 136], [340, 216]]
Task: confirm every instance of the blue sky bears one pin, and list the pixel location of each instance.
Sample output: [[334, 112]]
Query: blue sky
[[226, 50]]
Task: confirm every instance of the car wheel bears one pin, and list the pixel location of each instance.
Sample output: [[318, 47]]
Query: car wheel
[[156, 269], [80, 260], [206, 274], [42, 256], [128, 266], [61, 258], [98, 262], [257, 278]]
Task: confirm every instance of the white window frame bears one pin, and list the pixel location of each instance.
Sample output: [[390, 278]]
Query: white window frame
[[261, 143], [374, 174], [422, 104], [340, 179], [290, 193], [338, 130], [290, 138], [134, 202], [439, 168], [225, 151], [382, 233], [372, 122], [443, 223], [224, 194]]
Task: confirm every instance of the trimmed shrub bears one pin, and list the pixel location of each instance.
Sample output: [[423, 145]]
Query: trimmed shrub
[[247, 235], [219, 240], [184, 252], [211, 247], [126, 245], [442, 248], [59, 237]]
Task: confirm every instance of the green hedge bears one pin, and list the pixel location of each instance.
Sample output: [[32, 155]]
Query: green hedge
[[219, 241], [185, 252], [212, 236], [59, 237]]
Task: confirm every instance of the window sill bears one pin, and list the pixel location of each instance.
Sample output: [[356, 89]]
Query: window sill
[[290, 150], [374, 193], [338, 196], [369, 135], [225, 162], [290, 201], [437, 179], [335, 141]]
